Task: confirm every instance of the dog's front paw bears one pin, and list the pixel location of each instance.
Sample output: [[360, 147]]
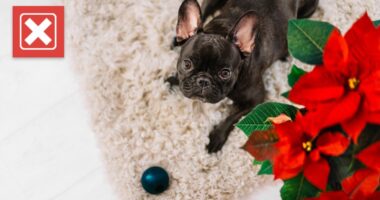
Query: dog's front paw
[[218, 138]]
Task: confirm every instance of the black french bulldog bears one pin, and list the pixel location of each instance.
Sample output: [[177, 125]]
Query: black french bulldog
[[227, 56]]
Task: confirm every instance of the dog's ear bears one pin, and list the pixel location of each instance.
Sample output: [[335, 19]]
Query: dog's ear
[[189, 20], [244, 32]]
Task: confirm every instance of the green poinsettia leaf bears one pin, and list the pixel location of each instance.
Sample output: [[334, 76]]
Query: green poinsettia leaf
[[340, 168], [261, 144], [257, 119], [285, 94], [307, 39], [295, 74], [256, 162], [266, 168], [297, 188], [369, 135], [377, 23]]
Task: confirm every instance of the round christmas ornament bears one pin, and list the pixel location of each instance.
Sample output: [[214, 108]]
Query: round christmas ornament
[[155, 180]]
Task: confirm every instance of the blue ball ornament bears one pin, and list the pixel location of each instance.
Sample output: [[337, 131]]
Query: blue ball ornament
[[155, 180]]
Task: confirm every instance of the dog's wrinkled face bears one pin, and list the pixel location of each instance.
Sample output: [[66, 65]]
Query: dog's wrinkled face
[[209, 64], [208, 67]]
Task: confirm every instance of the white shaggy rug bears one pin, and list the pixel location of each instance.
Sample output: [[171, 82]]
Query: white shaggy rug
[[120, 49]]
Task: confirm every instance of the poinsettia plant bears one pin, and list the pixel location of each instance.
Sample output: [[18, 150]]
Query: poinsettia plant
[[328, 147]]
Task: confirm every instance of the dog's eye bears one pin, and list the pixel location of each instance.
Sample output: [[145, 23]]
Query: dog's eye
[[187, 65], [224, 74]]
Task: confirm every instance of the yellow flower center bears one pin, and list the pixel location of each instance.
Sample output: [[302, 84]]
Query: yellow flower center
[[307, 146], [353, 83]]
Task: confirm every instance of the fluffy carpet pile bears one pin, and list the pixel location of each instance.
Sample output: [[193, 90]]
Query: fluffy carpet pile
[[120, 49]]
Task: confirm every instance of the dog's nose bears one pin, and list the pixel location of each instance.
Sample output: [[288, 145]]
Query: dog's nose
[[203, 82]]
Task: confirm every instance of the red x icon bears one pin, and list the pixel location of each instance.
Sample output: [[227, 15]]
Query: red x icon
[[38, 31]]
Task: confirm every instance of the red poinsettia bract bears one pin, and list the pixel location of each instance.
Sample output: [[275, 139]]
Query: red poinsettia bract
[[346, 88], [300, 150]]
